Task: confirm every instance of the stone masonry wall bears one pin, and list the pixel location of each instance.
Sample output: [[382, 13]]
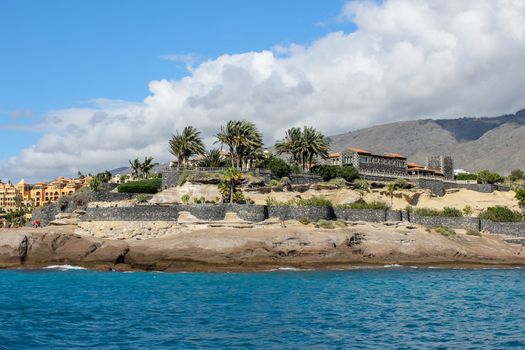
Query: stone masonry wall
[[258, 213], [466, 223], [369, 215], [509, 228]]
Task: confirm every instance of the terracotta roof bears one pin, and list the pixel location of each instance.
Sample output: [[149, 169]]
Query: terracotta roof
[[334, 155], [395, 155], [358, 150]]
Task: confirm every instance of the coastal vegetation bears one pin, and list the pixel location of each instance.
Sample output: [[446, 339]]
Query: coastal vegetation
[[150, 186], [329, 172], [501, 214], [301, 202], [446, 212], [228, 186], [364, 205]]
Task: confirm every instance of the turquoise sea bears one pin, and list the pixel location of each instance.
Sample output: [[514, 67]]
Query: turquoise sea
[[390, 308]]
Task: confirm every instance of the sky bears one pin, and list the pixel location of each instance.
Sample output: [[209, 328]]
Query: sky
[[88, 85]]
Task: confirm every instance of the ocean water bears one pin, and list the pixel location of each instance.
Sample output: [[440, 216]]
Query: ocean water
[[391, 308]]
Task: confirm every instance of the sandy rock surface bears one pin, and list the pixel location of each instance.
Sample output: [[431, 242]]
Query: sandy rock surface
[[289, 244]]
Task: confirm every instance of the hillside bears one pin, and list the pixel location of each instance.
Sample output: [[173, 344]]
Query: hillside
[[496, 143]]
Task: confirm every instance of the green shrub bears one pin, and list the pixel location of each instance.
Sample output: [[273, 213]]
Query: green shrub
[[473, 233], [141, 198], [238, 196], [409, 209], [340, 223], [325, 224], [403, 184], [277, 166], [465, 176], [361, 184], [446, 212], [301, 202], [445, 231], [304, 221], [339, 182], [501, 214], [488, 177], [516, 175], [329, 172], [520, 196], [364, 205], [185, 198], [467, 211], [200, 200], [150, 186], [274, 183]]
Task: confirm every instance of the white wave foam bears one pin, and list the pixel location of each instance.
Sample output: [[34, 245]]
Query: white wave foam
[[392, 265], [64, 267]]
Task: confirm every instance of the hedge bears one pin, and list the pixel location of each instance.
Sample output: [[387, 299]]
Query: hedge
[[150, 186]]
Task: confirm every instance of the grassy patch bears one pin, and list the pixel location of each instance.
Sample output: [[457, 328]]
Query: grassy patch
[[501, 214], [329, 225], [304, 221], [301, 202], [445, 231], [365, 205], [446, 212]]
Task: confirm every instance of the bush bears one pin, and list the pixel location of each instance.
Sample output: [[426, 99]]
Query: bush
[[466, 176], [501, 214], [488, 177], [325, 224], [185, 198], [150, 186], [300, 202], [446, 212], [277, 166], [361, 184], [516, 175], [200, 200], [340, 183], [467, 211], [445, 231], [304, 221], [329, 172], [520, 196], [364, 205], [403, 184], [141, 198]]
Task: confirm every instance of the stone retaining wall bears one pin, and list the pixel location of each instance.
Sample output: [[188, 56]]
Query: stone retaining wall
[[466, 223], [258, 213], [295, 213], [509, 228], [369, 215]]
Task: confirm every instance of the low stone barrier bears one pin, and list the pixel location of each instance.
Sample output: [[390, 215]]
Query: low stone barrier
[[369, 215], [467, 223], [295, 213], [394, 215], [137, 213], [509, 228]]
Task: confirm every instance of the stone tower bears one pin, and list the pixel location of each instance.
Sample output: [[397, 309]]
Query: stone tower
[[445, 164]]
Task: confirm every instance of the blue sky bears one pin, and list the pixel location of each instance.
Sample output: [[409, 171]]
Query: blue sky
[[335, 65], [62, 54]]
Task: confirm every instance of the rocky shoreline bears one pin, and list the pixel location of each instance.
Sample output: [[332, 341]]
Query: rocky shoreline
[[261, 248]]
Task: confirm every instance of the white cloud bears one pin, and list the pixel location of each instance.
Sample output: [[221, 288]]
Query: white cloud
[[408, 59]]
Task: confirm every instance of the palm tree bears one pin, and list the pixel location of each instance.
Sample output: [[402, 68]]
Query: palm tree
[[391, 189], [303, 145], [314, 144], [136, 166], [213, 159], [147, 165], [291, 144], [186, 144], [243, 139]]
